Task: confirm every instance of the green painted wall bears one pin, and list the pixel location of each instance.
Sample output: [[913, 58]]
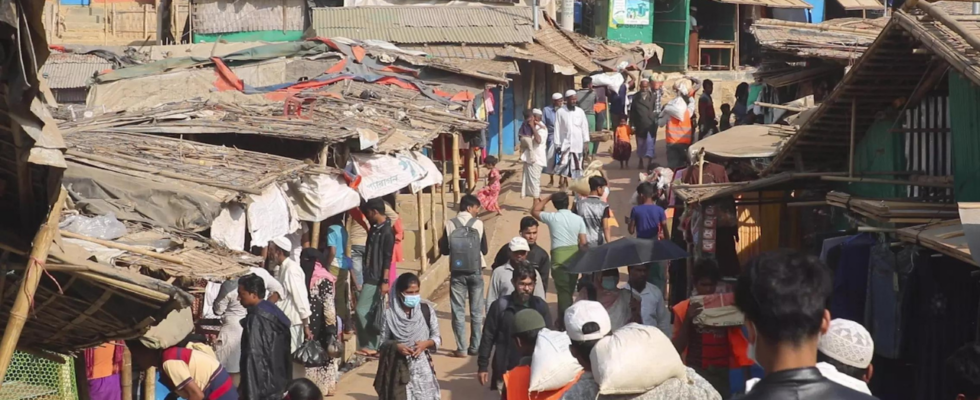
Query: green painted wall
[[607, 28], [880, 150], [256, 36], [670, 31], [964, 100]]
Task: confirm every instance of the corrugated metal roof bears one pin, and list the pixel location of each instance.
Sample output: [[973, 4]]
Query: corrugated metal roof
[[435, 24], [69, 71], [770, 3], [561, 44]]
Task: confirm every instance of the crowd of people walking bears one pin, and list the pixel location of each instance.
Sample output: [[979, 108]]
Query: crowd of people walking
[[283, 325]]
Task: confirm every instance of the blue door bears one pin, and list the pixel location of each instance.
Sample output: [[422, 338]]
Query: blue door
[[510, 124]]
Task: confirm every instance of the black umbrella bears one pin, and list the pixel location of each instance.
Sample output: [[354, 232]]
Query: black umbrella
[[624, 252]]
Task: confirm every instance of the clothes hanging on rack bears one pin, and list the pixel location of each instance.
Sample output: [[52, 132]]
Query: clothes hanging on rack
[[849, 261], [887, 304]]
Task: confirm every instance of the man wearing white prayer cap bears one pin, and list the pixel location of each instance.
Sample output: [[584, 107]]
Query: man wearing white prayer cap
[[847, 348], [843, 356], [571, 137], [295, 299], [548, 118], [534, 157]]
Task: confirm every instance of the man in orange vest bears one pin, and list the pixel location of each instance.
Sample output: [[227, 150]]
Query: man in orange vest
[[527, 324], [676, 116]]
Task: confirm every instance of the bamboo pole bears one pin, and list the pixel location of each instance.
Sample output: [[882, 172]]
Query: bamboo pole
[[422, 258], [442, 188], [315, 232], [150, 384], [121, 246], [951, 23], [28, 285], [455, 150], [850, 159], [500, 125], [126, 375]]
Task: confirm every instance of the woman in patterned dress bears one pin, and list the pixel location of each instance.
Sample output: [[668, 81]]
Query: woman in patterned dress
[[488, 195], [323, 321]]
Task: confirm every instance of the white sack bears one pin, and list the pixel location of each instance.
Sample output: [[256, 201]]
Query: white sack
[[552, 365], [611, 80], [618, 359]]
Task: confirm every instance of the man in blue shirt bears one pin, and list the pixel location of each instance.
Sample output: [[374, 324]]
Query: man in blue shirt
[[647, 220]]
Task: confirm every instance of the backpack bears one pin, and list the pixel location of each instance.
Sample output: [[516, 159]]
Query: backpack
[[464, 248]]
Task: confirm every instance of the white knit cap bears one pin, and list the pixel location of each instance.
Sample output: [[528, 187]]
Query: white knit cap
[[556, 96], [536, 111], [570, 92], [283, 243], [848, 342], [519, 244]]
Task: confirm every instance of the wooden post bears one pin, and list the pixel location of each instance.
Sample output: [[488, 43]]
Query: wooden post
[[738, 28], [422, 258], [455, 150], [150, 384], [471, 175], [146, 24], [500, 126], [28, 285], [105, 22], [530, 88], [442, 188], [112, 20], [315, 232], [126, 375], [850, 160], [432, 216]]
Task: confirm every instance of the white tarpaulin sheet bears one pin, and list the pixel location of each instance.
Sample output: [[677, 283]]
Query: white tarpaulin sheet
[[318, 197], [268, 216], [228, 229], [382, 174], [432, 174]]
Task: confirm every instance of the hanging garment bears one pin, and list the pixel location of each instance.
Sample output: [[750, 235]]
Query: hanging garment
[[851, 278], [887, 290]]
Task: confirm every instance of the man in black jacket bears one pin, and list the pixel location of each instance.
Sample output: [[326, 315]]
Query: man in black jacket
[[783, 295], [497, 335], [643, 118], [537, 257], [266, 363]]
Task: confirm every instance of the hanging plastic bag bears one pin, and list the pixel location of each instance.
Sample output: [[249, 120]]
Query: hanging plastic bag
[[311, 354]]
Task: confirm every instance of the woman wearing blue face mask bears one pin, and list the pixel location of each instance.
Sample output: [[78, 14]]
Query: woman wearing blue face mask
[[622, 305], [411, 333]]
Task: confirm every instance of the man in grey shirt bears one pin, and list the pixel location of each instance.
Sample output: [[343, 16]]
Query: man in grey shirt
[[595, 212]]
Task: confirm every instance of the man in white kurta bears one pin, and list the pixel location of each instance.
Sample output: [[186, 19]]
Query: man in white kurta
[[571, 135], [295, 301]]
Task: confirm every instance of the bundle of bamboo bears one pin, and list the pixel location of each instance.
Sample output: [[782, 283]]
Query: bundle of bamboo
[[894, 211]]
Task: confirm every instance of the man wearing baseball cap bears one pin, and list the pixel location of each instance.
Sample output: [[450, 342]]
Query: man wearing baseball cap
[[500, 280], [586, 322]]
